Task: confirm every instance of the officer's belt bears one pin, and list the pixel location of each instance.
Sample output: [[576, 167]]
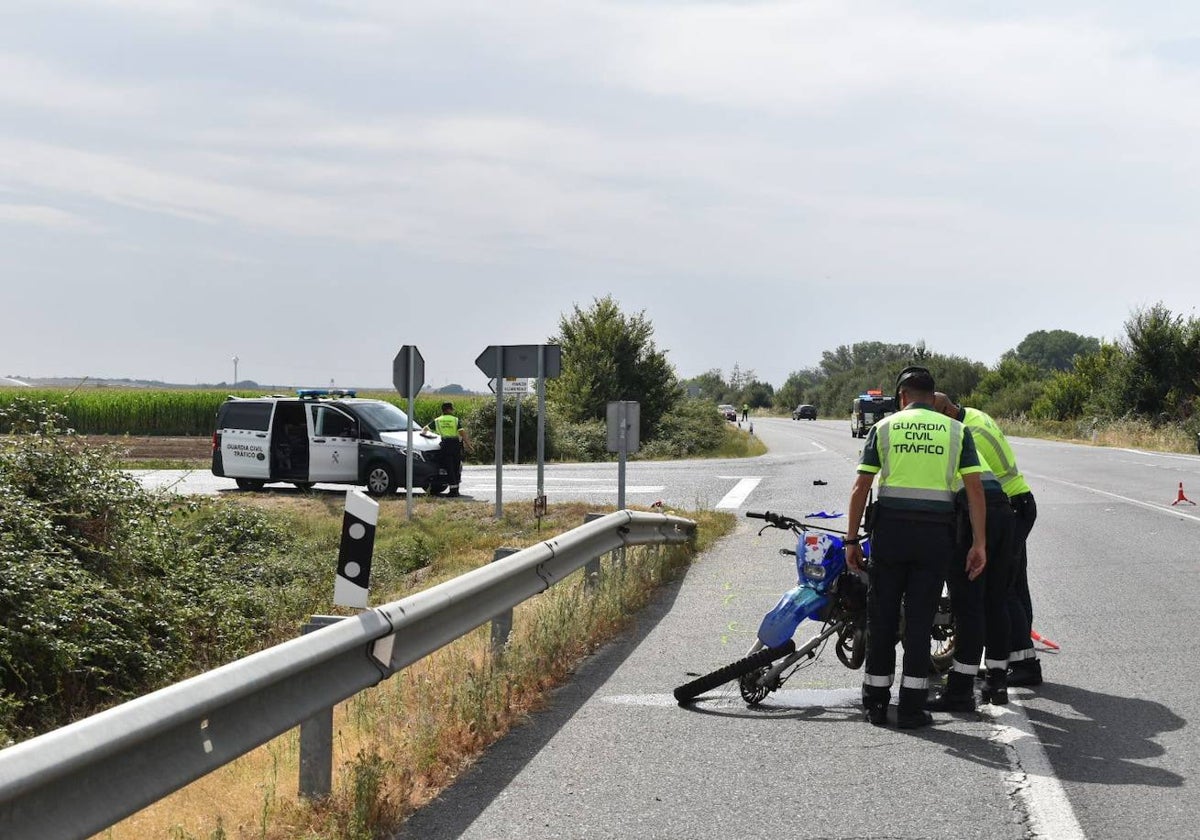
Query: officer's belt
[[933, 517]]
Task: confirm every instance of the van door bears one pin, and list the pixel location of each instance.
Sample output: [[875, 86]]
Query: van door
[[245, 433], [332, 445]]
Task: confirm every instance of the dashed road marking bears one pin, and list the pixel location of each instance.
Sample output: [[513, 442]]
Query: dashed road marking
[[736, 497]]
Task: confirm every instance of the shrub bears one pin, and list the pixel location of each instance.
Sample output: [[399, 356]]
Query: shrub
[[106, 590]]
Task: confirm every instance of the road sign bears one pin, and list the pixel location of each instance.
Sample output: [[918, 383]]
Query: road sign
[[408, 379], [624, 420], [521, 360]]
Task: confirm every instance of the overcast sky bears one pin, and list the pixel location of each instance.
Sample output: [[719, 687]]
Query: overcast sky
[[310, 185]]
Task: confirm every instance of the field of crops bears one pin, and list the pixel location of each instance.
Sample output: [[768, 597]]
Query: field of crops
[[112, 411]]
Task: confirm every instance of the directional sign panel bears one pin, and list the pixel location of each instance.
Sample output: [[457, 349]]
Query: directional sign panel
[[401, 369], [521, 360]]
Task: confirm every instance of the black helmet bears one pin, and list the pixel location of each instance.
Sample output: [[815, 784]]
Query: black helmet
[[914, 376]]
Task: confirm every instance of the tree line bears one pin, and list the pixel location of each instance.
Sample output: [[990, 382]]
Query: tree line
[[1151, 373]]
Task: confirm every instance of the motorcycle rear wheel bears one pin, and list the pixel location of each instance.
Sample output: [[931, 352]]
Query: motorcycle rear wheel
[[690, 691]]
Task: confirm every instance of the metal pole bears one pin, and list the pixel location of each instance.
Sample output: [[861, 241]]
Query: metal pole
[[541, 424], [517, 435], [408, 459], [499, 431], [622, 421], [501, 624], [316, 736]]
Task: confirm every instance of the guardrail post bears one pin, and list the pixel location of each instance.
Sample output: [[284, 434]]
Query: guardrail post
[[591, 572], [501, 624], [316, 736]]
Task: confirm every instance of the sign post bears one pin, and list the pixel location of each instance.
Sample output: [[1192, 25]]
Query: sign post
[[408, 376], [624, 420], [521, 360]]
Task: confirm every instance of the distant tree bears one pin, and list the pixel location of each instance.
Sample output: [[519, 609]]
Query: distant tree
[[1053, 349], [710, 385], [739, 378], [796, 388], [607, 356], [757, 395]]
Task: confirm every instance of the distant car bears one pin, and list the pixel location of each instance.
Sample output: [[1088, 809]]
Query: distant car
[[727, 411], [805, 412]]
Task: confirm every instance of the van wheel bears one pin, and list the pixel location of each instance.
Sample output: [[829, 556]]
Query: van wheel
[[303, 486], [381, 481], [249, 483], [435, 489]]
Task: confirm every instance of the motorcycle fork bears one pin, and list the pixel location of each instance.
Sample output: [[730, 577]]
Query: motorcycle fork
[[771, 677]]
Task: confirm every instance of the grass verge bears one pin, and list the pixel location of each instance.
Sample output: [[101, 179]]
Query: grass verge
[[398, 744]]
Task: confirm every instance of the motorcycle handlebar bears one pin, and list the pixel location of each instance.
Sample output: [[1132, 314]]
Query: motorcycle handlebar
[[778, 520]]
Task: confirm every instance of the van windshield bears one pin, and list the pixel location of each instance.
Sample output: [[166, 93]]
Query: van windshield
[[384, 417]]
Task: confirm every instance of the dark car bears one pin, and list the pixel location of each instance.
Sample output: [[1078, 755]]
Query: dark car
[[805, 412], [727, 411]]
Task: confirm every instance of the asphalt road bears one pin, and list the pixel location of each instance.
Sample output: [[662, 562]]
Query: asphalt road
[[1103, 750]]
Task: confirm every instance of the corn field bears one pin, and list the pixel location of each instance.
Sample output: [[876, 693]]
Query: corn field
[[104, 411]]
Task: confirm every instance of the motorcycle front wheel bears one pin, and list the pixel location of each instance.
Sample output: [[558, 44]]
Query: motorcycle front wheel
[[759, 659]]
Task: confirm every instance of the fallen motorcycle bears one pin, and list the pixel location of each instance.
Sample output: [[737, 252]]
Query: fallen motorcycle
[[827, 591]]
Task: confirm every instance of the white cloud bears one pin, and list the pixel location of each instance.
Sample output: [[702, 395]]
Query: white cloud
[[40, 215]]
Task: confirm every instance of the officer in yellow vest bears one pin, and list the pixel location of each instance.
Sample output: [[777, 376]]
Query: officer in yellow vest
[[1024, 668], [917, 453], [980, 605], [454, 440]]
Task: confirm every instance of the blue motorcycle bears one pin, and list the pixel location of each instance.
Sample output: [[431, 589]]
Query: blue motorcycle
[[828, 591]]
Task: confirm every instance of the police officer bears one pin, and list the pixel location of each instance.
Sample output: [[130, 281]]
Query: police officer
[[980, 605], [916, 452], [454, 439]]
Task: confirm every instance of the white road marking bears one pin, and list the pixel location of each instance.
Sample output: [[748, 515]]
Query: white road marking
[[1032, 780], [598, 488], [1170, 511], [806, 698], [737, 496]]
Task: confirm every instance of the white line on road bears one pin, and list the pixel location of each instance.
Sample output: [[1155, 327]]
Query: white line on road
[[1032, 781], [1171, 511], [805, 698], [737, 496]]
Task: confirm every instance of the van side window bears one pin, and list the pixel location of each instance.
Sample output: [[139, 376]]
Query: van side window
[[252, 416], [329, 422]]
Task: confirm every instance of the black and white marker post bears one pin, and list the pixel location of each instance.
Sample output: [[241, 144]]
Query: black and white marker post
[[352, 584], [351, 588]]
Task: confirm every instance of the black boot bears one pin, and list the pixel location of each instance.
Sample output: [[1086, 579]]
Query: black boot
[[957, 696], [875, 704], [1025, 672], [911, 714], [995, 687]]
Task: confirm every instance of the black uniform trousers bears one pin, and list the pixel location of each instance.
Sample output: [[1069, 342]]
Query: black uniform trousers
[[1020, 605], [452, 456], [981, 606], [909, 558]]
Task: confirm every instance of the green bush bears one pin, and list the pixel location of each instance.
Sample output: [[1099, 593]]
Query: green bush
[[108, 591], [691, 428]]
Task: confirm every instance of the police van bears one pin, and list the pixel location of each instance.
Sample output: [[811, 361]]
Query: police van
[[868, 409], [322, 435]]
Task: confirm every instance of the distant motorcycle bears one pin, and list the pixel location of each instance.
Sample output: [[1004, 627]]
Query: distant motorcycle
[[827, 591]]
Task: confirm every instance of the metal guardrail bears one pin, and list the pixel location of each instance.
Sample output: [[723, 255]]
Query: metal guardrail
[[77, 780]]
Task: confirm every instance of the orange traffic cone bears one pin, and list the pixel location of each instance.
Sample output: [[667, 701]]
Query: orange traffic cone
[[1182, 498], [1037, 637]]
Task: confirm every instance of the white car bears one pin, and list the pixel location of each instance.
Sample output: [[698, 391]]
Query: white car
[[325, 436]]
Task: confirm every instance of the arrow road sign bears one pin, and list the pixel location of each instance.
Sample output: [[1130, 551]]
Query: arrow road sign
[[521, 360]]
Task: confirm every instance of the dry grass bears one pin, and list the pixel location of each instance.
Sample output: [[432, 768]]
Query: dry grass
[[1132, 433], [398, 744]]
